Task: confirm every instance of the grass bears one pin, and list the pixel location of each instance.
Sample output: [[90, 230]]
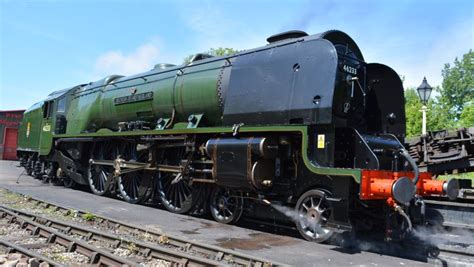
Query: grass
[[132, 247], [89, 216], [466, 175]]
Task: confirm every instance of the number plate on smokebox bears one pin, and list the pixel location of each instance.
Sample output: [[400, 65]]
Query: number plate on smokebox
[[349, 69]]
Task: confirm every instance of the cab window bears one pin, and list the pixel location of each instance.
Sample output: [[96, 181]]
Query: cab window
[[47, 109], [61, 105]]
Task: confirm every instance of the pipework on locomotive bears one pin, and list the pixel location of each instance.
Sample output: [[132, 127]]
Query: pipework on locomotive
[[302, 122]]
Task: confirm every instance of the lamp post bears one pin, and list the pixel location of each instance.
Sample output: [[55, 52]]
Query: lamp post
[[424, 92]]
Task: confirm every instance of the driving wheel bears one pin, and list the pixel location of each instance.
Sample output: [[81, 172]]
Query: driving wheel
[[313, 211]]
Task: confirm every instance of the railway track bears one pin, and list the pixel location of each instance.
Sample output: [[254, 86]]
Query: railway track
[[450, 214], [456, 256], [156, 245], [96, 255], [27, 256], [453, 230]]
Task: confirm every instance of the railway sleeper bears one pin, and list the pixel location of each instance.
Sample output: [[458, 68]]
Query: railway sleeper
[[216, 253], [175, 256], [66, 241]]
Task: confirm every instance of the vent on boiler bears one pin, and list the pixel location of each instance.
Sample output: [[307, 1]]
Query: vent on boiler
[[286, 35], [163, 66]]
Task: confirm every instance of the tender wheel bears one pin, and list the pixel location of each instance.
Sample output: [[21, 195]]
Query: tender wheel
[[226, 205], [313, 213], [29, 166], [46, 177], [99, 175], [134, 187], [175, 192]]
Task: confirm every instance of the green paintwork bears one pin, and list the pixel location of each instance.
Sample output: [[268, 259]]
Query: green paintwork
[[40, 138], [303, 130], [190, 90], [46, 141], [196, 93], [82, 111], [29, 139]]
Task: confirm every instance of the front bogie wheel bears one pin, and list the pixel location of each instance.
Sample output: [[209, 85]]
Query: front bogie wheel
[[226, 205], [68, 182], [313, 211]]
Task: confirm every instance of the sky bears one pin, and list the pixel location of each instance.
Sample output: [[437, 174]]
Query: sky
[[51, 45]]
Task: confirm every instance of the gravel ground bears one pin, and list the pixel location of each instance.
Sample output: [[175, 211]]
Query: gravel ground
[[58, 253], [90, 220], [156, 263], [12, 232], [12, 259]]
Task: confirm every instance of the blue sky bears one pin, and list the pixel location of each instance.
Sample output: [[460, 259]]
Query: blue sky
[[50, 45]]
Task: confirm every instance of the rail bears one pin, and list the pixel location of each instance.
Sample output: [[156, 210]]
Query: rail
[[214, 255]]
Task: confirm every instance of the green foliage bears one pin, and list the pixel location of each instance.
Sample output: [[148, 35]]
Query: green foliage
[[466, 175], [452, 105], [437, 117], [458, 86], [221, 51], [467, 115], [412, 112], [89, 216]]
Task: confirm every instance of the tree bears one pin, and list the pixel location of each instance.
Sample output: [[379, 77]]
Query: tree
[[452, 105], [221, 51], [458, 86], [467, 115], [437, 117], [412, 113]]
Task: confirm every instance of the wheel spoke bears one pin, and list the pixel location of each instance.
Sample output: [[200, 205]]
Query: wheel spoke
[[132, 187], [230, 212], [225, 206], [180, 194], [305, 207], [314, 211], [175, 197], [319, 203], [171, 196]]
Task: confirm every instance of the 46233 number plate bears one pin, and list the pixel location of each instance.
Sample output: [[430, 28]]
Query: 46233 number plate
[[349, 69]]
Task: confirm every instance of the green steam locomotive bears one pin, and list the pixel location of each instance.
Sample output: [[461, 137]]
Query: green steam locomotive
[[302, 122]]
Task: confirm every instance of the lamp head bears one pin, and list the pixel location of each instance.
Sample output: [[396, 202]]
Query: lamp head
[[424, 91]]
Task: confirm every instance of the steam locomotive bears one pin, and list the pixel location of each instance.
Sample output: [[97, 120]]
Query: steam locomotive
[[302, 122]]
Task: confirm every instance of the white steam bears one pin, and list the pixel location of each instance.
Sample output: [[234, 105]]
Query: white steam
[[298, 218]]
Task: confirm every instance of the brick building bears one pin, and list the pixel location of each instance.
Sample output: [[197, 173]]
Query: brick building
[[9, 124]]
